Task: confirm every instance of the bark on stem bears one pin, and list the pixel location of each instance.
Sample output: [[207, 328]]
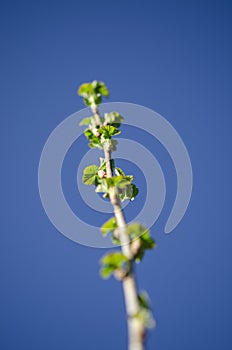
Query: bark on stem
[[136, 330]]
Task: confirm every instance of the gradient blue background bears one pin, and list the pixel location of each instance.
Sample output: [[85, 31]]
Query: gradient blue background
[[171, 56]]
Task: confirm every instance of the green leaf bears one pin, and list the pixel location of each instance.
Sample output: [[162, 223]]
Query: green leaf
[[94, 140], [111, 262], [109, 226], [92, 122], [129, 192], [144, 300], [135, 191], [126, 193], [102, 89], [113, 144], [120, 181], [106, 271], [113, 118], [147, 241], [95, 145], [90, 135], [93, 92], [85, 89], [103, 164], [115, 240], [89, 176], [115, 259], [116, 181], [87, 102], [129, 177], [108, 131], [86, 121], [135, 231], [145, 310], [97, 99], [119, 172], [102, 186], [147, 318]]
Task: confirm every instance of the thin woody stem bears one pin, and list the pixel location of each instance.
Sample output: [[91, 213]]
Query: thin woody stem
[[136, 328], [96, 114]]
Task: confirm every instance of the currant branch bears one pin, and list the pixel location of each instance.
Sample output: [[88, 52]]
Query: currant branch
[[134, 239]]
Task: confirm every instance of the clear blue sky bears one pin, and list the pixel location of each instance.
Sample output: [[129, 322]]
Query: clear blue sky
[[171, 56]]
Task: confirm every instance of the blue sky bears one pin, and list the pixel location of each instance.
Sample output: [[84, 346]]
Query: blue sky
[[171, 56]]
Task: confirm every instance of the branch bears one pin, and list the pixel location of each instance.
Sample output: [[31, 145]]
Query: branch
[[136, 327]]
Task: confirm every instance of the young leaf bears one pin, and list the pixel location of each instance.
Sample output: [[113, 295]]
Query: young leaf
[[106, 271], [102, 164], [86, 121], [115, 259], [143, 300], [87, 102], [90, 174], [109, 226], [126, 193], [90, 135], [135, 191], [102, 186], [108, 131], [120, 181], [119, 172], [129, 192], [102, 89], [94, 140], [145, 310], [93, 92], [136, 231], [85, 89], [115, 240], [113, 118], [113, 144], [92, 122], [95, 145], [116, 181], [111, 262]]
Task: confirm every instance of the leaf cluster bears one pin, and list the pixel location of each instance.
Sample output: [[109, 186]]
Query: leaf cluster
[[99, 134], [93, 92], [120, 183], [140, 238], [130, 191]]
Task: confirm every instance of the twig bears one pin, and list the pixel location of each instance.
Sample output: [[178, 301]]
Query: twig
[[136, 327]]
